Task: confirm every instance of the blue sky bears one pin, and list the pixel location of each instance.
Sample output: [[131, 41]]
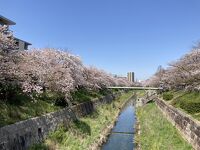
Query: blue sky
[[115, 35]]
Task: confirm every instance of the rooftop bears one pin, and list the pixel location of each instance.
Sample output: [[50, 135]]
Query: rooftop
[[6, 21], [22, 41]]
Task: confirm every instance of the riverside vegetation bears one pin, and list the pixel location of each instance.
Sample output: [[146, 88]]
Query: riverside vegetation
[[181, 82], [24, 107], [188, 102], [85, 132], [156, 132]]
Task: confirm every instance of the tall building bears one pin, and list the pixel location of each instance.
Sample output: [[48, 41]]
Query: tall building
[[21, 44], [130, 76]]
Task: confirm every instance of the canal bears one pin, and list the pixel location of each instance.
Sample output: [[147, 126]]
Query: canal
[[122, 135]]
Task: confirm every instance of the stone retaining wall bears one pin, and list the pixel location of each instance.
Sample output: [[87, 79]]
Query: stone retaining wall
[[149, 96], [188, 127], [21, 135]]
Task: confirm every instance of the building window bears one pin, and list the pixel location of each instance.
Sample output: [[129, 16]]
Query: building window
[[17, 43], [25, 46]]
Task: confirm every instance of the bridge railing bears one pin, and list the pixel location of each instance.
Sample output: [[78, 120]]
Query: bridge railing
[[135, 88]]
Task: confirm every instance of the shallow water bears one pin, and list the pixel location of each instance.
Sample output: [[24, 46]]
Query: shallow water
[[121, 137]]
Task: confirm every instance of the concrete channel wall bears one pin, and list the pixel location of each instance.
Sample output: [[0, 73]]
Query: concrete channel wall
[[21, 135], [188, 127]]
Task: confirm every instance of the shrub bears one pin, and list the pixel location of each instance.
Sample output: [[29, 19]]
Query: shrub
[[105, 91], [167, 96], [60, 101], [191, 107], [41, 146]]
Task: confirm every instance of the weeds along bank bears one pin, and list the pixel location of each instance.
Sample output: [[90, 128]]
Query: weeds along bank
[[156, 132], [88, 132], [189, 102], [24, 107], [181, 109]]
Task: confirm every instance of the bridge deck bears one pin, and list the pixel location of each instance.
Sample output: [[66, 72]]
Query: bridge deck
[[136, 88]]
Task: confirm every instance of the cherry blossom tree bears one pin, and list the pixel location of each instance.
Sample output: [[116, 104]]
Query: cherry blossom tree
[[60, 71], [8, 60], [48, 69], [96, 79], [188, 68], [7, 42], [183, 73], [100, 79], [52, 70]]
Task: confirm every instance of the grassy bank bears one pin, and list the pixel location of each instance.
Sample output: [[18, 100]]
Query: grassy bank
[[24, 107], [85, 132], [188, 102], [21, 106], [156, 132]]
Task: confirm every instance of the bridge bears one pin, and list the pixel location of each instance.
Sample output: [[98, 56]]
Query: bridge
[[135, 88]]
